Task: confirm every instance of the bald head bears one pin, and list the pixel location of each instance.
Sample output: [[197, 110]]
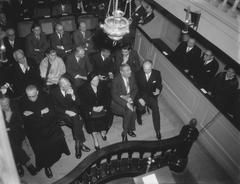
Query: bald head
[[147, 66], [32, 93], [59, 29], [64, 84], [191, 42]]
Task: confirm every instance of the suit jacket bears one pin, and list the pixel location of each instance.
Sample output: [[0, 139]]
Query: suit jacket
[[137, 15], [102, 67], [61, 103], [78, 39], [22, 80], [148, 18], [133, 61], [119, 89], [187, 60], [207, 72], [9, 49], [66, 42], [146, 88], [33, 43]]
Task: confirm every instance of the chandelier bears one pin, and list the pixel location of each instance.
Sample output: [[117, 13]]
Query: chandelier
[[115, 24]]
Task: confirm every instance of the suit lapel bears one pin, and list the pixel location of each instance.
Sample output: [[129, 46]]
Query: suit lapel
[[123, 84]]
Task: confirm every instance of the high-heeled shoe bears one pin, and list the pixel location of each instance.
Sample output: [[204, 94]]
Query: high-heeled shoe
[[20, 170], [97, 148], [48, 172]]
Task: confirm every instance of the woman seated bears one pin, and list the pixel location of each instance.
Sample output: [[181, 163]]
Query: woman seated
[[96, 108]]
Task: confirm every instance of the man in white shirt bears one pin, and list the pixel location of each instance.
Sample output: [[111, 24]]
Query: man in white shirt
[[52, 68]]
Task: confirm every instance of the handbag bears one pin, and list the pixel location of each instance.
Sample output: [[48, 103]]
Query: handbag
[[94, 114]]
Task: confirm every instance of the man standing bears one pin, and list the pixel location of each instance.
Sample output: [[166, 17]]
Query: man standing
[[36, 43], [45, 136], [78, 66], [150, 86], [67, 108], [124, 90]]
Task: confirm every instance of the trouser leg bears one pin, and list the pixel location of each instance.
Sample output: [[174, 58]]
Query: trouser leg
[[77, 125], [153, 104]]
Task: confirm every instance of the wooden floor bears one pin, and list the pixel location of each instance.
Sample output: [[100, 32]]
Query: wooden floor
[[201, 169]]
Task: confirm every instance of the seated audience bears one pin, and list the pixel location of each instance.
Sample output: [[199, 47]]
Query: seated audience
[[187, 55], [96, 107], [78, 66], [45, 136], [25, 72], [16, 134], [67, 107], [82, 37], [12, 43], [36, 43], [149, 88], [127, 56], [207, 69], [61, 41], [52, 68], [124, 90], [223, 88]]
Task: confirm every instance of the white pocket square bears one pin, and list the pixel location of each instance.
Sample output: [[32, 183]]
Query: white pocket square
[[154, 81]]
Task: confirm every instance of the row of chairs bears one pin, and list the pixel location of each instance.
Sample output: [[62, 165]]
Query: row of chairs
[[47, 24]]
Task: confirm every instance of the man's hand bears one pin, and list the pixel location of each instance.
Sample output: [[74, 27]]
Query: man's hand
[[70, 113], [186, 70], [157, 92], [98, 108], [110, 74], [142, 102], [209, 93], [80, 77], [130, 106], [60, 47], [27, 113], [45, 110]]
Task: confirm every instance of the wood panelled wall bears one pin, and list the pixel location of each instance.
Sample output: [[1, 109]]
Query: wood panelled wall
[[218, 135]]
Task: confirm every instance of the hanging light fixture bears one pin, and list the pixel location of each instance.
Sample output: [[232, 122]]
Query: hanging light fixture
[[115, 24]]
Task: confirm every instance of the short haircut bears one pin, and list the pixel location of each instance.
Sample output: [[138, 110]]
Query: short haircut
[[35, 24], [148, 61], [126, 47], [123, 66], [78, 49], [31, 87], [17, 51], [50, 51]]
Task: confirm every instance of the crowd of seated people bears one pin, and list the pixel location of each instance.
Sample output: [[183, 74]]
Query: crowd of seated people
[[49, 81], [203, 68]]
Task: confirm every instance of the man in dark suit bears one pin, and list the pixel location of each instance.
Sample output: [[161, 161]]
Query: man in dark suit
[[208, 68], [67, 107], [61, 41], [149, 88], [127, 56], [11, 43], [137, 14], [103, 64], [78, 66], [36, 44], [25, 72], [187, 56], [149, 15], [124, 90], [82, 37]]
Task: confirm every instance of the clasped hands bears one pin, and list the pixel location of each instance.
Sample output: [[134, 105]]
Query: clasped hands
[[80, 77], [129, 101], [43, 111], [98, 108]]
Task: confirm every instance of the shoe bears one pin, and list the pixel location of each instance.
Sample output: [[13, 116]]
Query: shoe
[[139, 120], [158, 135], [131, 133], [85, 148], [48, 172], [124, 138], [78, 152], [20, 170], [32, 170], [104, 137], [97, 148]]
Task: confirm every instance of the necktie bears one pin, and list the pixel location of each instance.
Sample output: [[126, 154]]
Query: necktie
[[148, 76], [188, 49], [127, 85], [83, 33]]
